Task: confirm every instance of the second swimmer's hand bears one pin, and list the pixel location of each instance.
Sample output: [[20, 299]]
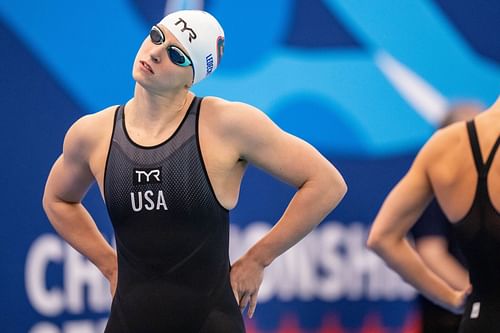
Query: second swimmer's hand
[[458, 304], [246, 278]]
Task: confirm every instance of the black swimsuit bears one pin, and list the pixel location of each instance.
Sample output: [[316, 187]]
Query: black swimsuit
[[478, 234], [172, 236]]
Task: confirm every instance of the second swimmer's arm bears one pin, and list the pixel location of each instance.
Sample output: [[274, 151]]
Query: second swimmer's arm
[[434, 252], [387, 238]]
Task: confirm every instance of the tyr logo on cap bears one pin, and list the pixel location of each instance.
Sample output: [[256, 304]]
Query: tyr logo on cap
[[192, 34]]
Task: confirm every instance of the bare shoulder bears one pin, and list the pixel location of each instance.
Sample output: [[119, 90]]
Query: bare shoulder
[[88, 132], [229, 108], [254, 136], [231, 116], [444, 142]]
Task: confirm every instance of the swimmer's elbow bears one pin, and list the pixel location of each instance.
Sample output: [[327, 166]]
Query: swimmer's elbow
[[48, 202], [336, 188], [339, 192], [341, 188], [377, 243], [373, 242]]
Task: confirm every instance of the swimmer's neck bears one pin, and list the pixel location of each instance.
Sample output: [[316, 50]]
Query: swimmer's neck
[[158, 107]]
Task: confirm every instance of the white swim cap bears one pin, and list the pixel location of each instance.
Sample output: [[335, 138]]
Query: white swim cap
[[201, 36]]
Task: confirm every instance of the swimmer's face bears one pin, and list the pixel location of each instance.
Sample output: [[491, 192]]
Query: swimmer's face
[[161, 63]]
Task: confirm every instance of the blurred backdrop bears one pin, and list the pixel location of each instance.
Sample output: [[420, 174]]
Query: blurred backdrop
[[366, 82]]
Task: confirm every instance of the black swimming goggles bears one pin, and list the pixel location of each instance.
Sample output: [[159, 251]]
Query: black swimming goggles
[[175, 54]]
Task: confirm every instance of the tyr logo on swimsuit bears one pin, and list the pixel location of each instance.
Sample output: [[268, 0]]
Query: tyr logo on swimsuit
[[147, 176]]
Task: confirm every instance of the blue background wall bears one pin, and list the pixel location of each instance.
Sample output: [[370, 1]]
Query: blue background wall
[[366, 82]]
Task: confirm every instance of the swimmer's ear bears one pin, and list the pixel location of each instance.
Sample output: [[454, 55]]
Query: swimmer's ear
[[189, 85]]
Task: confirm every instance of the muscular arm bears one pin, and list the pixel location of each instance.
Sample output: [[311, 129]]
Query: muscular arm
[[67, 184], [399, 212], [320, 186]]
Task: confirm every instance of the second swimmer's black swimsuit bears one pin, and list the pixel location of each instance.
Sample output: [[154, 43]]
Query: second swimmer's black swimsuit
[[478, 234]]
